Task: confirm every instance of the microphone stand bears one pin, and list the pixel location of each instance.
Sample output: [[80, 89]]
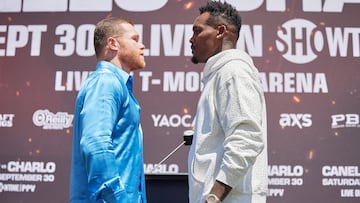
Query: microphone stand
[[188, 135]]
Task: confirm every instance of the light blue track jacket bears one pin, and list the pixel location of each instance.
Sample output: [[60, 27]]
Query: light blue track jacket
[[107, 157]]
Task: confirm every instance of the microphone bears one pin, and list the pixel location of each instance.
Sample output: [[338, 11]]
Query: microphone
[[188, 136]]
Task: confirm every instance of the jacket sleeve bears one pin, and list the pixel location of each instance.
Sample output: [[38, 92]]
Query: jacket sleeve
[[239, 110], [98, 118]]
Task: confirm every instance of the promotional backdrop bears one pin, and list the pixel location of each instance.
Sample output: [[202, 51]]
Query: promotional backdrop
[[307, 53]]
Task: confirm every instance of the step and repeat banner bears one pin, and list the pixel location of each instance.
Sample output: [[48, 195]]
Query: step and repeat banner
[[307, 53]]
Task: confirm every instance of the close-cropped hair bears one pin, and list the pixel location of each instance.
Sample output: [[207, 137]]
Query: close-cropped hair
[[106, 28], [222, 11]]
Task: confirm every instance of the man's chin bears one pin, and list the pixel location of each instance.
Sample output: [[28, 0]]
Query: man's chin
[[194, 60], [139, 66]]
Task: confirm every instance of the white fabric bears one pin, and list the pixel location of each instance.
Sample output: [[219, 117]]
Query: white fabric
[[230, 135]]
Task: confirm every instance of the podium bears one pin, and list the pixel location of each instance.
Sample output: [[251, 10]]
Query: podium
[[167, 188]]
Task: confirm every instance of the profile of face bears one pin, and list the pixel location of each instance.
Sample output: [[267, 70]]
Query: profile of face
[[131, 50], [204, 41]]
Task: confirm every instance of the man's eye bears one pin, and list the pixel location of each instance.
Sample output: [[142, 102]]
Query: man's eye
[[196, 32]]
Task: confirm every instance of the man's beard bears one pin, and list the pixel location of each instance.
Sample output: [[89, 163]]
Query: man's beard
[[194, 60]]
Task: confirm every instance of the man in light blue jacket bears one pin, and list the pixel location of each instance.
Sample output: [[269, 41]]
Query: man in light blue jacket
[[107, 156]]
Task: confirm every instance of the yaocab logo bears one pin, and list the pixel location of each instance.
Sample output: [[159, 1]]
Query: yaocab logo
[[173, 120]]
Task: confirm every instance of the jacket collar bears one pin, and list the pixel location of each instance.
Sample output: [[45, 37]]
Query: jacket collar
[[217, 61]]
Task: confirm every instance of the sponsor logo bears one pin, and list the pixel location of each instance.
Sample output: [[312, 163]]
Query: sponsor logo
[[173, 120], [6, 120], [345, 121], [52, 121], [295, 120], [300, 41]]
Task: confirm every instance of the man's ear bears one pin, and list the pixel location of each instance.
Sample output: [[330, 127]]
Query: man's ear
[[221, 31], [112, 43]]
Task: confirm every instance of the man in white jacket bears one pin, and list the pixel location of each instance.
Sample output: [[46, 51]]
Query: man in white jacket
[[228, 158]]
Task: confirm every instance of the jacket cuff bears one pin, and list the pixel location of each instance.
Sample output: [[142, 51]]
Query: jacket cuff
[[228, 178]]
